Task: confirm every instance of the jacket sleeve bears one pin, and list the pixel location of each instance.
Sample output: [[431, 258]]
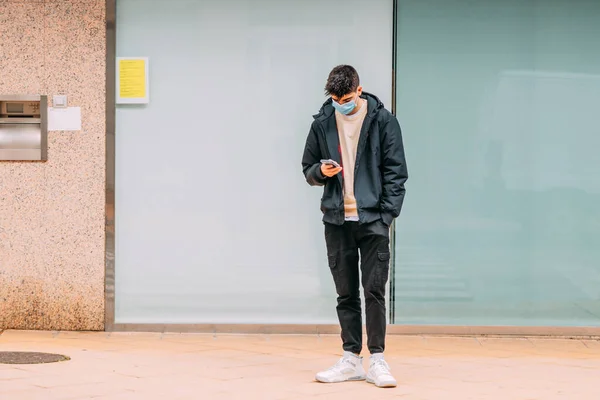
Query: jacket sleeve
[[393, 171], [311, 160]]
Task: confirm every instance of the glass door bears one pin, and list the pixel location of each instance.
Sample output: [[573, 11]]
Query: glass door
[[214, 221]]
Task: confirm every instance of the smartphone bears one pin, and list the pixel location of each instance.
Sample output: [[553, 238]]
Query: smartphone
[[330, 162]]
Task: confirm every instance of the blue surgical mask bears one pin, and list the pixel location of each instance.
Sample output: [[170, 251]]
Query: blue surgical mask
[[345, 108]]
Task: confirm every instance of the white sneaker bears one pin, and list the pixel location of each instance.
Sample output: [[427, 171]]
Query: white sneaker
[[379, 373], [348, 368]]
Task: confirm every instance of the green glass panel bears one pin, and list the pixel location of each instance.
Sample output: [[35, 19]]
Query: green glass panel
[[499, 103]]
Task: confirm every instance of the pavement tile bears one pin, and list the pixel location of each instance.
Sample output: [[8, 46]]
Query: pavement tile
[[30, 394], [12, 373], [16, 385], [120, 366]]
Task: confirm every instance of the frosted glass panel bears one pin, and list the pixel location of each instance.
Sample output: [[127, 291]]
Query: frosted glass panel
[[499, 105], [214, 221]]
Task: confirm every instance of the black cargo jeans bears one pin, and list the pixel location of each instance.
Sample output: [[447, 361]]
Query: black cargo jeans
[[343, 246]]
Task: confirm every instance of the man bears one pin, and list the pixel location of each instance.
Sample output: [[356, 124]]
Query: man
[[363, 194]]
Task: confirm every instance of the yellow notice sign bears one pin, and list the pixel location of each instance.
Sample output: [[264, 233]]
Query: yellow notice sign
[[132, 80]]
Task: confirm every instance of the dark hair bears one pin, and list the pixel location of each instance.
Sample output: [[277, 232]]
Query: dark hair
[[342, 80]]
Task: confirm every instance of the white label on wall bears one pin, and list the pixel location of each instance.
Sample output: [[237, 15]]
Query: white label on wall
[[64, 119]]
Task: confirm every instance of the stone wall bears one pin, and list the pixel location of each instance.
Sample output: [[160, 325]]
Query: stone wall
[[52, 213]]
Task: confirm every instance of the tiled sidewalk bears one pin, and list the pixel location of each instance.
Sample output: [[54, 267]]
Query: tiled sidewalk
[[206, 367]]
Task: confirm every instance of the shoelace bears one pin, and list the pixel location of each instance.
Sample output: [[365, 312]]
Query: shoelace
[[342, 361], [380, 367]]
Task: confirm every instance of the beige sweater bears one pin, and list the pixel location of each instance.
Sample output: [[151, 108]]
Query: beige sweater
[[349, 127]]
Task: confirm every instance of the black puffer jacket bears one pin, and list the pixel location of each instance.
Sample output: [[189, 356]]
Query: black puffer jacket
[[380, 171]]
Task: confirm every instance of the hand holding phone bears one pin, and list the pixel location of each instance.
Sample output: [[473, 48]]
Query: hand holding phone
[[330, 162], [330, 168]]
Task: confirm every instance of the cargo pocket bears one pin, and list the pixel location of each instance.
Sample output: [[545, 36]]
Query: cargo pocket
[[332, 261], [335, 273], [383, 268]]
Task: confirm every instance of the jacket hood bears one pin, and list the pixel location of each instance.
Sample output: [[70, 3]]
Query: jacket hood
[[327, 109]]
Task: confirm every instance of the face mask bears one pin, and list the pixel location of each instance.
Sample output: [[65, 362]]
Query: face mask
[[346, 108]]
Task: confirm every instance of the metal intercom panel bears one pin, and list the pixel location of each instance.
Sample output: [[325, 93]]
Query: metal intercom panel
[[23, 128]]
